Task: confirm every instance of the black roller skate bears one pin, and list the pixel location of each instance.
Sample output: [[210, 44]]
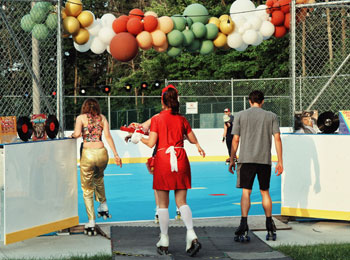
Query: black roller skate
[[241, 233], [163, 245], [178, 214], [90, 228], [102, 211], [271, 229]]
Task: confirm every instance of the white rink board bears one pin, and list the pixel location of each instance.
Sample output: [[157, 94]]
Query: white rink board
[[40, 183], [316, 176]]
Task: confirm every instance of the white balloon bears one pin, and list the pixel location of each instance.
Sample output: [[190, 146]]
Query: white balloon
[[95, 27], [267, 29], [243, 47], [106, 34], [259, 39], [247, 26], [234, 40], [250, 36], [109, 48], [255, 22], [107, 20], [261, 12], [83, 47], [239, 21], [97, 46], [241, 30], [242, 7]]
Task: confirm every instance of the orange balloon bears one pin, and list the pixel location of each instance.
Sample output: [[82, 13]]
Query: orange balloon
[[63, 13], [287, 21], [158, 38], [215, 20], [136, 13], [134, 26], [150, 23], [220, 40], [165, 24], [124, 47], [162, 48], [119, 24], [277, 18], [144, 39], [280, 31]]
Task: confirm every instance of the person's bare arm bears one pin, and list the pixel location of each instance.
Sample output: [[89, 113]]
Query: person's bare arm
[[110, 141], [151, 140], [191, 137], [278, 145], [78, 127], [224, 134], [233, 158]]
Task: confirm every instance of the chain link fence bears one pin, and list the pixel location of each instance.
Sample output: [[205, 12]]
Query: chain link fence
[[30, 54], [320, 49]]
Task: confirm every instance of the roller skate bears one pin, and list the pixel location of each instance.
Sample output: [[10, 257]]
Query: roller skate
[[271, 229], [178, 214], [156, 217], [90, 228], [227, 161], [102, 211], [192, 244], [241, 233], [163, 244]]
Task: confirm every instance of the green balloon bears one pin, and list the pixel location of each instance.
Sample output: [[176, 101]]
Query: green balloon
[[44, 5], [197, 12], [174, 51], [199, 30], [175, 38], [194, 46], [188, 37], [40, 32], [179, 22], [189, 22], [206, 47], [27, 23], [38, 14], [51, 21], [212, 31]]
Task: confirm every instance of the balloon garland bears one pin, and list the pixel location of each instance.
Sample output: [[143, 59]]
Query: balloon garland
[[192, 31]]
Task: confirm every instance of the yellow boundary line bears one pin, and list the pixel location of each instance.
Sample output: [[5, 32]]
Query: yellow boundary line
[[315, 213], [40, 230]]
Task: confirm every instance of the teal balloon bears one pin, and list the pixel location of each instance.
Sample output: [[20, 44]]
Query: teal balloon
[[40, 32], [212, 31], [189, 22], [188, 37], [44, 5], [38, 14], [27, 23], [179, 22], [175, 38], [194, 46], [51, 21], [174, 51], [197, 12], [199, 30], [206, 47]]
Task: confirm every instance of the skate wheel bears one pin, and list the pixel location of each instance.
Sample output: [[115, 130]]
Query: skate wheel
[[248, 238], [104, 217], [274, 237], [236, 239], [89, 233], [98, 215], [110, 216], [85, 232], [95, 233]]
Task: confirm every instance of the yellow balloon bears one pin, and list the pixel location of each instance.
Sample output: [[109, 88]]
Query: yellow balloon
[[215, 21], [227, 26], [82, 36], [220, 40], [63, 13], [71, 25], [85, 18], [74, 7], [224, 17]]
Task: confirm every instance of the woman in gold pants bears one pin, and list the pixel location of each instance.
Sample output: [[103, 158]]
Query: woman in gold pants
[[94, 158]]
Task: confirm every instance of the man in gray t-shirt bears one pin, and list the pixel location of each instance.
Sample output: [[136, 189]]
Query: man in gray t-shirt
[[253, 130]]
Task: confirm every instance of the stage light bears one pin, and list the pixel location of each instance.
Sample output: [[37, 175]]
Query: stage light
[[156, 84], [128, 87], [106, 89], [144, 85], [82, 91]]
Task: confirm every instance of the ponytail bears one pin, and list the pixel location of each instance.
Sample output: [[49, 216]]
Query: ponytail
[[170, 99]]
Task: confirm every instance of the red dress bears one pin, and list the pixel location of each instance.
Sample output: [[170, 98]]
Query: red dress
[[171, 130]]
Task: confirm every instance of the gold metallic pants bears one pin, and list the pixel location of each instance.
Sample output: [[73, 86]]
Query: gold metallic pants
[[92, 165]]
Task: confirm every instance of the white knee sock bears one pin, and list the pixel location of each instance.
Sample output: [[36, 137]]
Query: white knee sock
[[186, 215], [163, 215]]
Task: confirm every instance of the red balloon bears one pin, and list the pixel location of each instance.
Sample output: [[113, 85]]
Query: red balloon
[[269, 3], [119, 24], [150, 23], [277, 18], [285, 6], [276, 6], [134, 26], [287, 21], [124, 47], [280, 31], [136, 13]]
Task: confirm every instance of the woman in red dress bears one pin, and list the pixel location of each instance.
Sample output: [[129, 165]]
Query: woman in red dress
[[171, 167]]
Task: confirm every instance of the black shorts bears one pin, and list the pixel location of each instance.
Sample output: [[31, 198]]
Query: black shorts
[[246, 174]]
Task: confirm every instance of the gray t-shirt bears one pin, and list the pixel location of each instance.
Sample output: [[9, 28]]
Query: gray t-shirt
[[255, 126]]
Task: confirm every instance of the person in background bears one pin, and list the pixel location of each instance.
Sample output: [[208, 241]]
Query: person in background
[[228, 123], [253, 130], [94, 158], [171, 166]]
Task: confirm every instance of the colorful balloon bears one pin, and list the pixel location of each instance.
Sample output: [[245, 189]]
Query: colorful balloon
[[215, 20], [211, 32], [86, 18], [27, 23], [158, 38], [150, 23], [220, 40], [136, 13], [40, 32], [199, 30], [174, 51], [124, 47], [206, 47], [51, 21], [197, 12], [179, 22], [175, 38], [82, 36], [188, 37], [119, 24], [165, 24], [73, 7], [71, 25], [144, 40], [134, 26]]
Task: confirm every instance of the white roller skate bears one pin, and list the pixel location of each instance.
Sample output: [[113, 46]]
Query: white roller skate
[[102, 211], [192, 244], [178, 214], [163, 244], [90, 228], [156, 217]]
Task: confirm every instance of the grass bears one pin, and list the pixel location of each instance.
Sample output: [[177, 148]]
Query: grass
[[317, 252]]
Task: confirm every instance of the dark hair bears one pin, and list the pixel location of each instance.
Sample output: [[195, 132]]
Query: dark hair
[[91, 106], [170, 100], [256, 96]]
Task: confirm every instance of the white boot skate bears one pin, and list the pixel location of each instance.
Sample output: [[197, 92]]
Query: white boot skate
[[156, 216], [102, 211], [192, 244], [90, 228], [163, 244]]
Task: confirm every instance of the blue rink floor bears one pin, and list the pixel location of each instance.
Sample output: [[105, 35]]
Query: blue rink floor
[[130, 196]]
